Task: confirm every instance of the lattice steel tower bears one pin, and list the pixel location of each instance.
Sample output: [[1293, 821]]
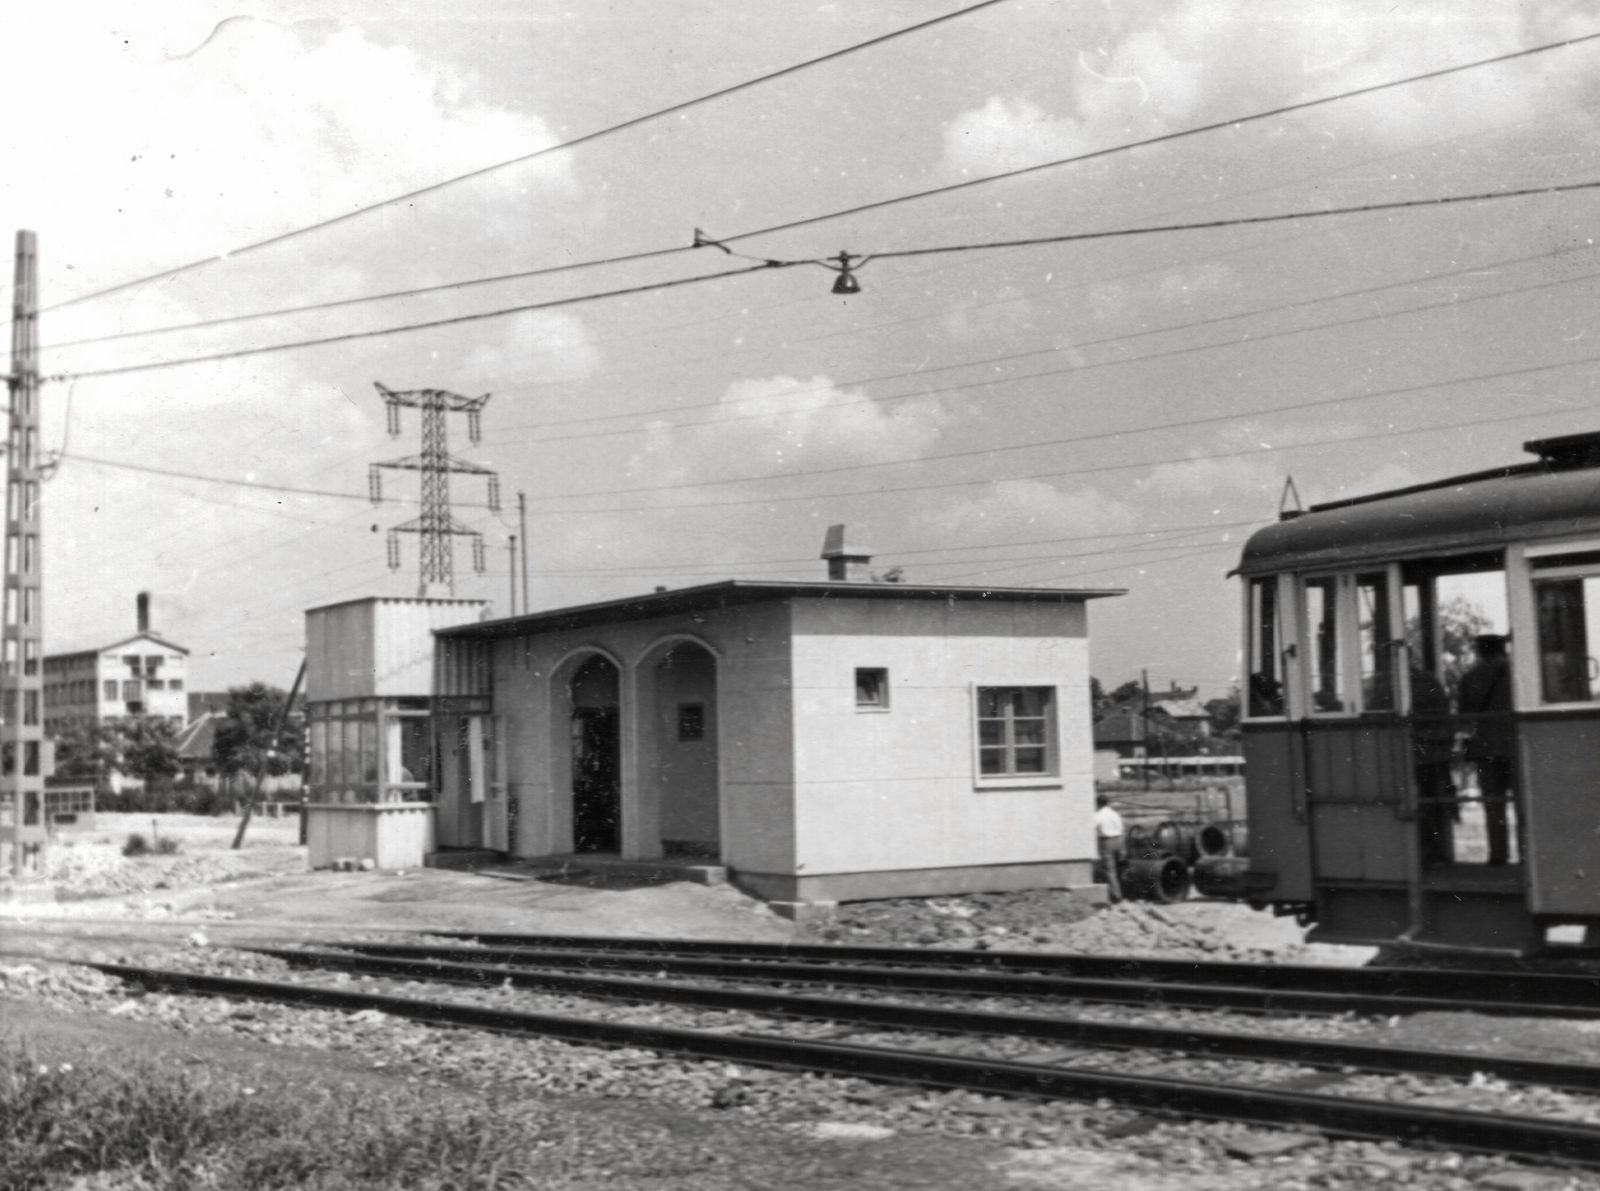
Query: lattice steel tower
[[436, 527], [22, 744]]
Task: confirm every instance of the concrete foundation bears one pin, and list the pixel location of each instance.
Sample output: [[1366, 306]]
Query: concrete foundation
[[922, 882]]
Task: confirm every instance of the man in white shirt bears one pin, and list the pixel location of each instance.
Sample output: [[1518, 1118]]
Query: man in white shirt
[[1113, 851]]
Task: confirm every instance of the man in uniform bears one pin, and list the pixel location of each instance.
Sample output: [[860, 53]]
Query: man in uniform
[[1486, 698]]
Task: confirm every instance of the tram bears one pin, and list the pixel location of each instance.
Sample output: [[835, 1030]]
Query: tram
[[1421, 719]]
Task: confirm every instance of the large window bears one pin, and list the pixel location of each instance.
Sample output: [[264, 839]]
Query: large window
[[1324, 663], [1566, 596], [1266, 649], [1016, 731], [1375, 639]]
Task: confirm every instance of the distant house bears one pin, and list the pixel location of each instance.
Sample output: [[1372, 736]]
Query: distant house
[[141, 675], [1184, 710], [1121, 731]]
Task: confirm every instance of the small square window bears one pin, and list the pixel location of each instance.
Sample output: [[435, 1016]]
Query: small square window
[[872, 689], [691, 721]]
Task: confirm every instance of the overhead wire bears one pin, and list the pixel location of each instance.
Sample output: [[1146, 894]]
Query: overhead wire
[[1164, 138], [987, 382], [723, 241], [572, 143], [1072, 440], [454, 320], [478, 316]]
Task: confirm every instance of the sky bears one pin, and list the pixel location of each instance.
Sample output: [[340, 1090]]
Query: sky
[[1118, 412]]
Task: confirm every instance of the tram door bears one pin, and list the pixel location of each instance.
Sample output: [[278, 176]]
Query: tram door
[[1356, 747]]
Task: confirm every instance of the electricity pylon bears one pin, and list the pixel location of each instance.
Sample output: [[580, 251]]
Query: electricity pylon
[[436, 527]]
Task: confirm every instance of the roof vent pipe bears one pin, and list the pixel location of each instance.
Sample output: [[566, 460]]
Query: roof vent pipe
[[848, 560], [143, 604]]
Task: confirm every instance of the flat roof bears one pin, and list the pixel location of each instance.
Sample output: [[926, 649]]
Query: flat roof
[[398, 600], [732, 593]]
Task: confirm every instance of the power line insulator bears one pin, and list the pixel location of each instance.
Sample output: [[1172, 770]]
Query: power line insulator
[[375, 485], [394, 551], [494, 493], [478, 561], [474, 425], [392, 408]]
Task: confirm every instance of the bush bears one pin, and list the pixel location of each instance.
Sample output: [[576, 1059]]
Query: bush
[[158, 1128], [168, 845], [137, 845]]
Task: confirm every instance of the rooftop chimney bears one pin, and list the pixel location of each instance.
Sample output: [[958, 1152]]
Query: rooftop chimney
[[143, 602], [848, 561]]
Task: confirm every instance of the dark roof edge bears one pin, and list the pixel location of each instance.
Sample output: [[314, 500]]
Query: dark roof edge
[[742, 591], [1476, 477]]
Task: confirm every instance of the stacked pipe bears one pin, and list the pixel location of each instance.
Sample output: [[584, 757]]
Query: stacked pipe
[[1164, 859]]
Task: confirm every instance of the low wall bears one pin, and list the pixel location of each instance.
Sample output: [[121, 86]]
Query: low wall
[[390, 834]]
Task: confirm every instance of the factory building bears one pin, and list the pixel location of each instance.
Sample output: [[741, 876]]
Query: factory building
[[141, 675]]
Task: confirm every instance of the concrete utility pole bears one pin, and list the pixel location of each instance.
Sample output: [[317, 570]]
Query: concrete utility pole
[[22, 744], [522, 516], [435, 526]]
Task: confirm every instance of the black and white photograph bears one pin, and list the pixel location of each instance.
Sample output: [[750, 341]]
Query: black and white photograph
[[741, 595]]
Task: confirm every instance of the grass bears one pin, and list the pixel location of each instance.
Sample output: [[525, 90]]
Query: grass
[[157, 1128]]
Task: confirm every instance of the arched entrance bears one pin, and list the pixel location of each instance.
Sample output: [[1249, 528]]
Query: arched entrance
[[683, 688], [596, 740]]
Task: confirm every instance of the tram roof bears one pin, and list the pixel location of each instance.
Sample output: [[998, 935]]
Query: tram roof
[[1555, 496]]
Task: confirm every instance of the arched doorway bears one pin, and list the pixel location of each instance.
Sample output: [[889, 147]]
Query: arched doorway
[[686, 780], [596, 757]]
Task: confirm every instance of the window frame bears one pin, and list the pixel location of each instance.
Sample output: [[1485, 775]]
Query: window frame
[[1052, 777], [1523, 574], [881, 704]]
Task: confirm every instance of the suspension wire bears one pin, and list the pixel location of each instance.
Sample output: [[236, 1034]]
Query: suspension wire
[[423, 326], [1239, 221], [1181, 133], [586, 138]]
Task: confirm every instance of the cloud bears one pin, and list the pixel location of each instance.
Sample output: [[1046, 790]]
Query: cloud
[[779, 424], [1185, 62], [1012, 506]]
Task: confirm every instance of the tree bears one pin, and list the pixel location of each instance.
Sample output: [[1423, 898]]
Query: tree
[[88, 752], [1224, 713], [244, 739], [148, 749]]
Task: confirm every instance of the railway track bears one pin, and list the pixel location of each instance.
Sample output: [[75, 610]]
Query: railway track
[[1180, 984], [1339, 1115]]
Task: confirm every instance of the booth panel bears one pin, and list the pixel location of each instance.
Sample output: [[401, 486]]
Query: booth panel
[[1560, 773], [1280, 838]]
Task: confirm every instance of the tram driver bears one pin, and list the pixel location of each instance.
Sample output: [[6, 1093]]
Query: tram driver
[[1486, 697]]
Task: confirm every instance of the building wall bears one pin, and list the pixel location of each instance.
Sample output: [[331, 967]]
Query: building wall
[[899, 789], [380, 647], [753, 723], [141, 676]]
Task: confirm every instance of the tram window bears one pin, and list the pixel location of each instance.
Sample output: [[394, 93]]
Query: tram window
[[1568, 634], [1266, 679], [1324, 666], [1376, 641]]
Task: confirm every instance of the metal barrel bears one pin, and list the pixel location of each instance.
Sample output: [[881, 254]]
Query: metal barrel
[[1214, 840], [1163, 879], [1141, 841], [1181, 839], [1224, 837], [1221, 876]]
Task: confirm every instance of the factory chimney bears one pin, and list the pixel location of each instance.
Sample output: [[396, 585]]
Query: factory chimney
[[144, 611], [848, 561]]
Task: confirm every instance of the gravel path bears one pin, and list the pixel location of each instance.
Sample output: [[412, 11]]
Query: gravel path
[[1047, 1145]]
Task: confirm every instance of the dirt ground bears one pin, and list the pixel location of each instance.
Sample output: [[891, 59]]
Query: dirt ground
[[203, 896]]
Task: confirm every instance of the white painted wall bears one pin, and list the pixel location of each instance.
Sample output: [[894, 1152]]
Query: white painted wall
[[899, 789]]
